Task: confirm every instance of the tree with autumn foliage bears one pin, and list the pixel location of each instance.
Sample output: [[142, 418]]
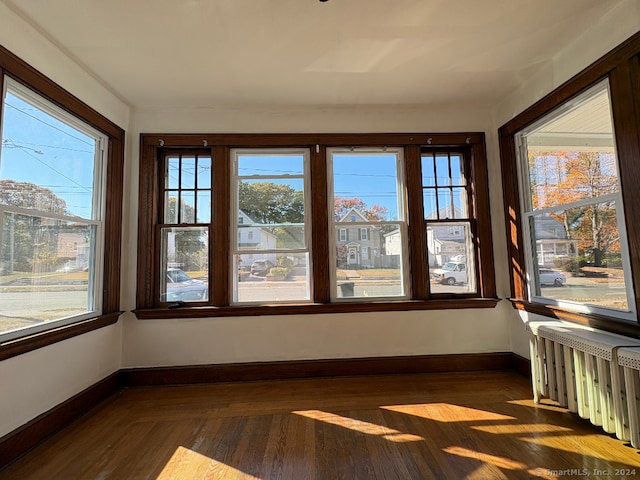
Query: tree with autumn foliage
[[341, 205], [561, 178]]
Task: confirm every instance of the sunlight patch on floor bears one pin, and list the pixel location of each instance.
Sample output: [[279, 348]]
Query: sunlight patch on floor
[[520, 428], [576, 447], [185, 463], [447, 412], [500, 462], [359, 426]]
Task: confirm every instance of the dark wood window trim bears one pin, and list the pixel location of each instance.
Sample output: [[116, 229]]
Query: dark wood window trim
[[17, 69], [153, 146], [622, 68]]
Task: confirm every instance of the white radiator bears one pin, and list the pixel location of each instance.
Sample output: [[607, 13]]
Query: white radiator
[[578, 367], [629, 403]]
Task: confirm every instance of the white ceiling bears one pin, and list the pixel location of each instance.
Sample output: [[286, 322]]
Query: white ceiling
[[203, 53]]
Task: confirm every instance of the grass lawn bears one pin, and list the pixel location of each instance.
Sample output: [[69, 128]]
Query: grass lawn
[[369, 272]]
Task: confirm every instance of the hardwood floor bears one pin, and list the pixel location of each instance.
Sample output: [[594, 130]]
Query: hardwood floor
[[422, 426]]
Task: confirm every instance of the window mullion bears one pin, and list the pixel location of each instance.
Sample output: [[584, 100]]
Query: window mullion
[[219, 255], [417, 226], [320, 232]]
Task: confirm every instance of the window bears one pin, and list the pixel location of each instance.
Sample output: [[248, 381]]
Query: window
[[303, 223], [184, 231], [573, 215], [270, 190], [448, 222], [367, 191], [573, 210], [60, 220], [51, 195]]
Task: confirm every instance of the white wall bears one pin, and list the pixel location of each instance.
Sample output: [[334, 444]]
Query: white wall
[[271, 338], [34, 382], [613, 28]]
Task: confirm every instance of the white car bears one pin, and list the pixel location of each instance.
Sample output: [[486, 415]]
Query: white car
[[450, 273], [546, 276]]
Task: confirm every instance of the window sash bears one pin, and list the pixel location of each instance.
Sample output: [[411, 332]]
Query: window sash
[[353, 255], [95, 220], [273, 253], [533, 285]]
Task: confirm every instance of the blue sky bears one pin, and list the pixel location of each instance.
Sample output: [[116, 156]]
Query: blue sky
[[40, 149], [370, 177]]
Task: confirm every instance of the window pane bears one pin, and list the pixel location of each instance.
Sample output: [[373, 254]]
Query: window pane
[[187, 207], [460, 208], [457, 171], [428, 171], [578, 256], [203, 206], [273, 213], [571, 156], [564, 177], [270, 277], [46, 269], [430, 207], [171, 207], [204, 172], [270, 164], [365, 185], [271, 202], [173, 173], [446, 207], [184, 264], [47, 164], [450, 250], [443, 177], [370, 267], [188, 173]]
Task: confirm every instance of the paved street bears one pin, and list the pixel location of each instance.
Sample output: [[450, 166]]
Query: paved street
[[18, 307]]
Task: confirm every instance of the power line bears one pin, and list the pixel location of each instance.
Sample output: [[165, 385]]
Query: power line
[[45, 123], [50, 146], [51, 168]]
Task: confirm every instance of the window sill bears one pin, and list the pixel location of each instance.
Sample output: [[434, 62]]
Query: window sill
[[602, 322], [18, 346], [314, 308]]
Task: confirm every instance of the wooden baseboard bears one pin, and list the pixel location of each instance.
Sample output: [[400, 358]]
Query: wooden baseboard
[[315, 368], [521, 365], [24, 438]]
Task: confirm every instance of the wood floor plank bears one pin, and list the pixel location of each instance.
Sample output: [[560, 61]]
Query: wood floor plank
[[426, 426]]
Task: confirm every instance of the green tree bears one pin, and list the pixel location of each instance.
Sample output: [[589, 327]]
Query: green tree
[[29, 242], [190, 243], [269, 203]]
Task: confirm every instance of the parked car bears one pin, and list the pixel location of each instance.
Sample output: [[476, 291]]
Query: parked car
[[261, 267], [546, 276], [450, 273], [182, 288]]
